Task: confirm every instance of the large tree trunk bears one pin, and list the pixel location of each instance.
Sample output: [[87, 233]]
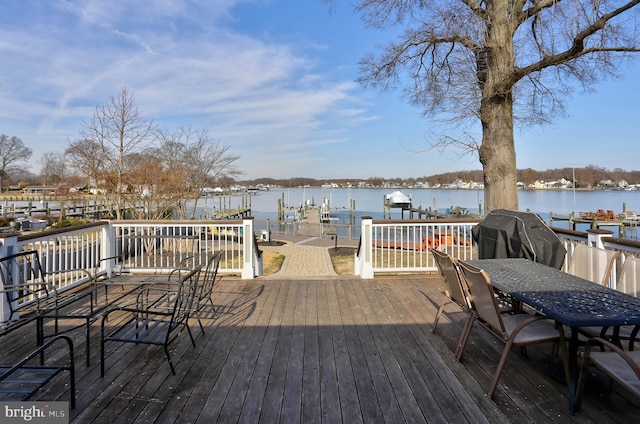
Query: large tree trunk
[[498, 158], [497, 153]]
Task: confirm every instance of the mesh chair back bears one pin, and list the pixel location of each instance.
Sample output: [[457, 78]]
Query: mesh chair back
[[592, 263], [184, 297], [483, 300], [629, 278], [209, 277], [23, 270], [451, 277]]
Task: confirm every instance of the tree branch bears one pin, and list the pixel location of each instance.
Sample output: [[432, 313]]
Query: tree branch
[[577, 48]]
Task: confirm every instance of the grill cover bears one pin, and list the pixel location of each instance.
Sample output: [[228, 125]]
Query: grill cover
[[512, 234]]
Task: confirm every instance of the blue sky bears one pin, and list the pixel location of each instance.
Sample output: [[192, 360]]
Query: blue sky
[[272, 79]]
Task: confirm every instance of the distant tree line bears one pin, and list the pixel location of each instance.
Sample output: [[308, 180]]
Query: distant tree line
[[586, 177]]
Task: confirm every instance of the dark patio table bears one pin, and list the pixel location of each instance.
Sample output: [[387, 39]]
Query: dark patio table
[[570, 300]]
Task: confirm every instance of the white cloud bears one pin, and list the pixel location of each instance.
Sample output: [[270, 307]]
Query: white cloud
[[256, 95]]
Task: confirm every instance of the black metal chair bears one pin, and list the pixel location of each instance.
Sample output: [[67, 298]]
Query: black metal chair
[[32, 293], [159, 316], [30, 289], [205, 291], [208, 278], [20, 381]]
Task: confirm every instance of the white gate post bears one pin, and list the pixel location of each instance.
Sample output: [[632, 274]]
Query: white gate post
[[108, 247], [364, 264], [8, 246], [251, 265]]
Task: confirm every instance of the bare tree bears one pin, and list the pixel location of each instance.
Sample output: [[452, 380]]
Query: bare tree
[[54, 167], [497, 62], [202, 158], [12, 152], [117, 131], [157, 187]]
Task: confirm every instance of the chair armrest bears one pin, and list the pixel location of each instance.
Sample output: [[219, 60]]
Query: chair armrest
[[87, 274], [64, 271], [37, 352], [41, 292], [182, 267], [176, 273], [24, 286], [598, 341], [157, 297], [37, 382], [96, 267], [133, 310]]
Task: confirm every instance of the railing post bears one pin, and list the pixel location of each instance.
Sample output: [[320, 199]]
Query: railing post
[[364, 264], [108, 247], [251, 266], [595, 236], [8, 246]]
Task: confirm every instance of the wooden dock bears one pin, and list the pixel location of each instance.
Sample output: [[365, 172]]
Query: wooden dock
[[333, 350], [591, 222], [83, 209], [237, 213]]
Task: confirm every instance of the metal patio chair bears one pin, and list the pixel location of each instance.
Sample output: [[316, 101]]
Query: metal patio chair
[[520, 329], [159, 316], [453, 287], [629, 279], [21, 380], [207, 279], [628, 282], [32, 293], [621, 366], [592, 263]]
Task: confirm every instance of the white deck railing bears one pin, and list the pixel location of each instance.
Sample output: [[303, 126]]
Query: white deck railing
[[159, 246], [602, 239], [403, 245], [77, 249], [137, 246], [140, 246]]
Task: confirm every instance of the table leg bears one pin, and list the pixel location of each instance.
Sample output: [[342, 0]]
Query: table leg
[[573, 369]]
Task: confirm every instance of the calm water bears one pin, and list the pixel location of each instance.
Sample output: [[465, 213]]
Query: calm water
[[370, 202]]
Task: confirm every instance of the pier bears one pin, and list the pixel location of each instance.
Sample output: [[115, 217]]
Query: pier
[[573, 221], [237, 213], [320, 214], [225, 210], [426, 213], [73, 209]]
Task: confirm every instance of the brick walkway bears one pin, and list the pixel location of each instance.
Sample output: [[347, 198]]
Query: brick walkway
[[305, 257]]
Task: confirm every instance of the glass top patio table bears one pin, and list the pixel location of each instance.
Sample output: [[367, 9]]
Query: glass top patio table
[[570, 300]]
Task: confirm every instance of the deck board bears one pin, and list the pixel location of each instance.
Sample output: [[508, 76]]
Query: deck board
[[328, 372], [367, 395], [323, 350], [215, 353], [411, 360], [350, 408]]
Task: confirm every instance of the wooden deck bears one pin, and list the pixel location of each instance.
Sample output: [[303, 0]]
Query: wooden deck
[[324, 350]]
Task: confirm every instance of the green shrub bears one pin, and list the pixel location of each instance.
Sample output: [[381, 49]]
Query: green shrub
[[69, 222]]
